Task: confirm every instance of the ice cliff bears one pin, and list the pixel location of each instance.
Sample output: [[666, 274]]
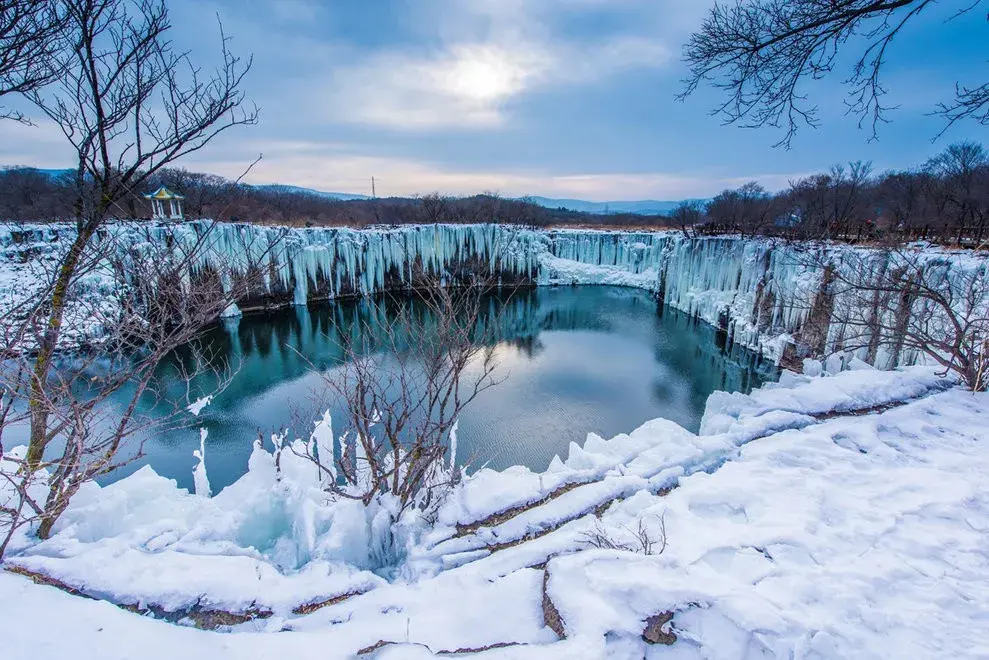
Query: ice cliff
[[759, 292]]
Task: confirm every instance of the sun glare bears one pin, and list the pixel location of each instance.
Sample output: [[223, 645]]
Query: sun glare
[[484, 75]]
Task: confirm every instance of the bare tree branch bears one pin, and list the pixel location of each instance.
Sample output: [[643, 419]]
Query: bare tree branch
[[762, 52], [30, 39]]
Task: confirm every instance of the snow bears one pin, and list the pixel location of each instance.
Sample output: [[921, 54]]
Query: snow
[[859, 537], [792, 531], [839, 513], [198, 405], [232, 311]]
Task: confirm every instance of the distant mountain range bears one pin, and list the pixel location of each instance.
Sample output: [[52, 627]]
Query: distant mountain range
[[280, 187], [641, 207]]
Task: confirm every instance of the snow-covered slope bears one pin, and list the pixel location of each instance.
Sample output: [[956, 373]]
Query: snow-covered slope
[[781, 531]]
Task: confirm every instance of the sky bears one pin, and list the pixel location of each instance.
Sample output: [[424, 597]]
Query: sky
[[560, 98]]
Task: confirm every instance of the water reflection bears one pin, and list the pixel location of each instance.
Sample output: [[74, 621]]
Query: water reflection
[[577, 360]]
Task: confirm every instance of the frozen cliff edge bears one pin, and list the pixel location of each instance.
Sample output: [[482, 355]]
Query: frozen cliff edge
[[759, 292]]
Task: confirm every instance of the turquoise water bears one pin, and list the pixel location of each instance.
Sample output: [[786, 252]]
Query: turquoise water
[[574, 360]]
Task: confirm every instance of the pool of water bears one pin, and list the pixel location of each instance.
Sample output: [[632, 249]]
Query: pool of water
[[574, 360]]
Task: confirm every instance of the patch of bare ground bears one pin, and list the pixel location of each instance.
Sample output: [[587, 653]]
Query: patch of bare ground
[[655, 631], [309, 608], [481, 649], [551, 615], [41, 578], [380, 644], [822, 417]]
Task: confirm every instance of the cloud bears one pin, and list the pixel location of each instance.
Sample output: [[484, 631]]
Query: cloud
[[464, 85], [329, 80], [482, 58], [341, 167], [39, 145], [334, 168]]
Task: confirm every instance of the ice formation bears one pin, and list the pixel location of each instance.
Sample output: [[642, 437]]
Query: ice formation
[[758, 291]]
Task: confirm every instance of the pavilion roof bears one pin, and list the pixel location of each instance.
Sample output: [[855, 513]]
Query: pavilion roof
[[164, 194]]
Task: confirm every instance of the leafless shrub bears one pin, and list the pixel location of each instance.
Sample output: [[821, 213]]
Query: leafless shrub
[[645, 539], [129, 104], [889, 305], [103, 391], [407, 375]]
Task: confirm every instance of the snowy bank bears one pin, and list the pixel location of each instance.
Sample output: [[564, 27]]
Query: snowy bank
[[826, 517]]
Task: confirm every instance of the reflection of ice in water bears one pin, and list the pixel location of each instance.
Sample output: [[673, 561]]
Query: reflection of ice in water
[[577, 360]]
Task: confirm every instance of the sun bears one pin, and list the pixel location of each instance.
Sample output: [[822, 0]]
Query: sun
[[484, 74]]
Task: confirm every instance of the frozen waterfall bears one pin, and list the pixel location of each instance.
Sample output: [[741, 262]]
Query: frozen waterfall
[[758, 292]]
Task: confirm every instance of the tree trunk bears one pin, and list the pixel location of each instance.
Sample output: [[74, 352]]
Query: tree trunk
[[37, 403], [813, 335]]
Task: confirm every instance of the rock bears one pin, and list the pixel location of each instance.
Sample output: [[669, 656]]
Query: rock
[[374, 647], [551, 615], [654, 634]]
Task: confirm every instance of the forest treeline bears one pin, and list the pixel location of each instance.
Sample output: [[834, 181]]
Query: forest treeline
[[28, 194], [945, 200]]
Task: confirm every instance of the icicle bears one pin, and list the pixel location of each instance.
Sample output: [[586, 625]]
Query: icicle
[[453, 446], [199, 476], [322, 436], [231, 311]]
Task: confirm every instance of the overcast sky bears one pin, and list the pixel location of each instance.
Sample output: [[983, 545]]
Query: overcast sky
[[563, 98]]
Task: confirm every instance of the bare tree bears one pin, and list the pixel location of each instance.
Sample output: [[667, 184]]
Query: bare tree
[[30, 38], [829, 205], [747, 210], [30, 195], [129, 104], [406, 378], [760, 52], [434, 208], [891, 305], [906, 204], [687, 215], [105, 390], [960, 182]]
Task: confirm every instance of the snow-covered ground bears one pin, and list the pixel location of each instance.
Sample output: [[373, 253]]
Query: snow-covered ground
[[829, 517]]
